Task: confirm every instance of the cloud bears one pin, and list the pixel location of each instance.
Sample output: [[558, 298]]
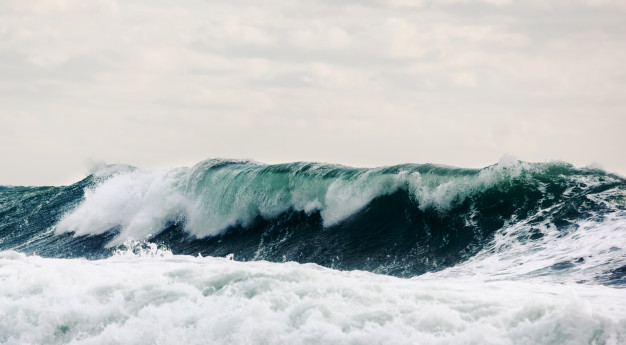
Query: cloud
[[464, 78], [38, 6], [356, 82]]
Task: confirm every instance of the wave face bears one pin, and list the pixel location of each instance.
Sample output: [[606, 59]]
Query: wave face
[[512, 219]]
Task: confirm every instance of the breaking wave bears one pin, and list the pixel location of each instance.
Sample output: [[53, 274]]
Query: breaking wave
[[547, 219]]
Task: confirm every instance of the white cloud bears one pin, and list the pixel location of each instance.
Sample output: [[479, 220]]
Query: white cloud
[[406, 3], [464, 78], [35, 5], [619, 4], [317, 35], [404, 39]]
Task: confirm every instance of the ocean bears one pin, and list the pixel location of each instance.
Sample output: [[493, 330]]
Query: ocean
[[240, 252]]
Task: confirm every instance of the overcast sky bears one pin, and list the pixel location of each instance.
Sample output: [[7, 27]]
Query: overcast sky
[[160, 84]]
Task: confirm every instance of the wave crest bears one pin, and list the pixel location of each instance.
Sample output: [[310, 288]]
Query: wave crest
[[217, 194]]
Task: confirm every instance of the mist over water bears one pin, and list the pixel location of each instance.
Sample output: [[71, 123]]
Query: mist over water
[[519, 253]]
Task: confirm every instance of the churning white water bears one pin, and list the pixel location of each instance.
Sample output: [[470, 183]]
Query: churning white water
[[160, 298]]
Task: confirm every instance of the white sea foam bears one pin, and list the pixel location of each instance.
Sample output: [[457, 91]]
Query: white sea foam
[[442, 191], [139, 202], [593, 250], [153, 299], [209, 199]]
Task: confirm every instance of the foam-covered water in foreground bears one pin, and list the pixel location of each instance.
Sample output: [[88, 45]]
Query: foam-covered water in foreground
[[515, 253], [173, 299]]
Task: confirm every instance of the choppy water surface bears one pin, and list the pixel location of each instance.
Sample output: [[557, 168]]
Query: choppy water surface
[[515, 253]]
